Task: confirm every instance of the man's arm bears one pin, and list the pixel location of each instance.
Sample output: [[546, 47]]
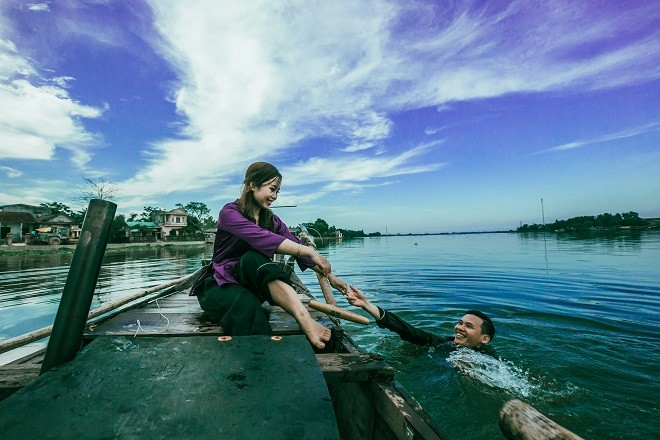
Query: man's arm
[[392, 321]]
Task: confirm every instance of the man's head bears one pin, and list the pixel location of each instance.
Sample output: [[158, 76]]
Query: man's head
[[474, 329]]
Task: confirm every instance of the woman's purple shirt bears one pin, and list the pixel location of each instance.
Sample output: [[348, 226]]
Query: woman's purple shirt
[[237, 235]]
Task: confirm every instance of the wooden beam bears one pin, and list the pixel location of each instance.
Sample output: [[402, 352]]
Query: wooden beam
[[520, 421], [15, 377], [404, 419], [347, 367]]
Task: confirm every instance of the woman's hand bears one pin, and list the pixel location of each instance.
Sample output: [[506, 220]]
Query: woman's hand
[[321, 263], [338, 284]]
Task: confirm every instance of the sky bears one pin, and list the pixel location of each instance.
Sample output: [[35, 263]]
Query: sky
[[391, 116]]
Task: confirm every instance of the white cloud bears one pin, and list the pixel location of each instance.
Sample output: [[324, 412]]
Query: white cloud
[[258, 78], [38, 7], [636, 131], [11, 172], [38, 115]]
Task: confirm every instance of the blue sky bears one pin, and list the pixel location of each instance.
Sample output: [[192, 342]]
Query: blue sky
[[398, 116]]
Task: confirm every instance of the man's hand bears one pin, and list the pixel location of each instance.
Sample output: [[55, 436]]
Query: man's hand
[[356, 297]]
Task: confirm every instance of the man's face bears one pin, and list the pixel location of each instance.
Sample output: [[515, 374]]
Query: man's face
[[467, 332]]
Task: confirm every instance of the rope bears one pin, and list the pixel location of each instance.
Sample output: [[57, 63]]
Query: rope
[[160, 312]]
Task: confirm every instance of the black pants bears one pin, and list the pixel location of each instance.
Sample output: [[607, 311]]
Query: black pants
[[237, 307]]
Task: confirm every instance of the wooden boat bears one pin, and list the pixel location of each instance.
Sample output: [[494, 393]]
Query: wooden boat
[[134, 359], [154, 366]]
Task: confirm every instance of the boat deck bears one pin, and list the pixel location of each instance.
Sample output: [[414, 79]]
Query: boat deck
[[180, 314], [164, 368], [182, 387]]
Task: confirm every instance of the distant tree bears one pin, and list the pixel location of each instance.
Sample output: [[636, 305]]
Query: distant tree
[[348, 233], [198, 215], [61, 208], [585, 222], [145, 216], [118, 230], [320, 226], [101, 189], [57, 208]]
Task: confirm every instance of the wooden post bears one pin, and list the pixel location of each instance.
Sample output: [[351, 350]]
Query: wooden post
[[80, 283], [520, 421]]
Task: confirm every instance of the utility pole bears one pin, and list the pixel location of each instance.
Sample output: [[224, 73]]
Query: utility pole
[[542, 212]]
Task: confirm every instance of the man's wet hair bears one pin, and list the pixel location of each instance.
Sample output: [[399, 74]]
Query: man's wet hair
[[487, 326]]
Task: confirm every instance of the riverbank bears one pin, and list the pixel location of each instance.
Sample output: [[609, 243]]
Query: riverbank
[[23, 249]]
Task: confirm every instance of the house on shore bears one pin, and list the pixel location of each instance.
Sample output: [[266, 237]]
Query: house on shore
[[20, 220], [171, 223], [143, 231], [164, 225]]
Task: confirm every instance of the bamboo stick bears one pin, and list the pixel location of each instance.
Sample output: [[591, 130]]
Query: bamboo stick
[[337, 312], [325, 288], [35, 335]]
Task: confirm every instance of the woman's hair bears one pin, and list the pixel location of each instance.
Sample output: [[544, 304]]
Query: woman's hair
[[257, 174]]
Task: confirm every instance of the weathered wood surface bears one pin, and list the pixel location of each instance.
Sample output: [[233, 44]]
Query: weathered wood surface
[[180, 314], [20, 372], [155, 291], [402, 414], [520, 421], [349, 367], [177, 387]]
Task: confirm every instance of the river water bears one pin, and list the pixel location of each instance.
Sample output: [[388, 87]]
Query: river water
[[577, 319]]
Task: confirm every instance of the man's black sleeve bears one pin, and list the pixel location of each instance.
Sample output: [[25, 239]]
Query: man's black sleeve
[[407, 332]]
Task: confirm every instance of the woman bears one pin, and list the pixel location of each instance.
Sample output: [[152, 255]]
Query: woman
[[248, 236]]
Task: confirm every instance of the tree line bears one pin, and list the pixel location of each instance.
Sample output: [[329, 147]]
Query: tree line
[[585, 222], [321, 228], [199, 221]]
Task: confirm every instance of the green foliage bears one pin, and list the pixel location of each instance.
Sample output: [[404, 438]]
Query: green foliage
[[198, 216], [145, 216], [61, 208], [321, 227], [118, 230], [349, 233], [198, 220], [581, 223]]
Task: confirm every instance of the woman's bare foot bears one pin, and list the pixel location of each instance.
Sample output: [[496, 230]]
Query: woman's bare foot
[[317, 334]]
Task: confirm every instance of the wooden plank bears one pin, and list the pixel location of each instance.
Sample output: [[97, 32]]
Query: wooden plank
[[346, 367], [520, 421], [180, 314], [398, 412], [354, 410], [13, 377], [146, 322], [177, 387]]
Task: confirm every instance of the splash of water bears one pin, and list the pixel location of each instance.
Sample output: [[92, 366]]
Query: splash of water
[[496, 373]]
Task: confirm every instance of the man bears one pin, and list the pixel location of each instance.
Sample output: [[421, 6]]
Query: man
[[474, 330]]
